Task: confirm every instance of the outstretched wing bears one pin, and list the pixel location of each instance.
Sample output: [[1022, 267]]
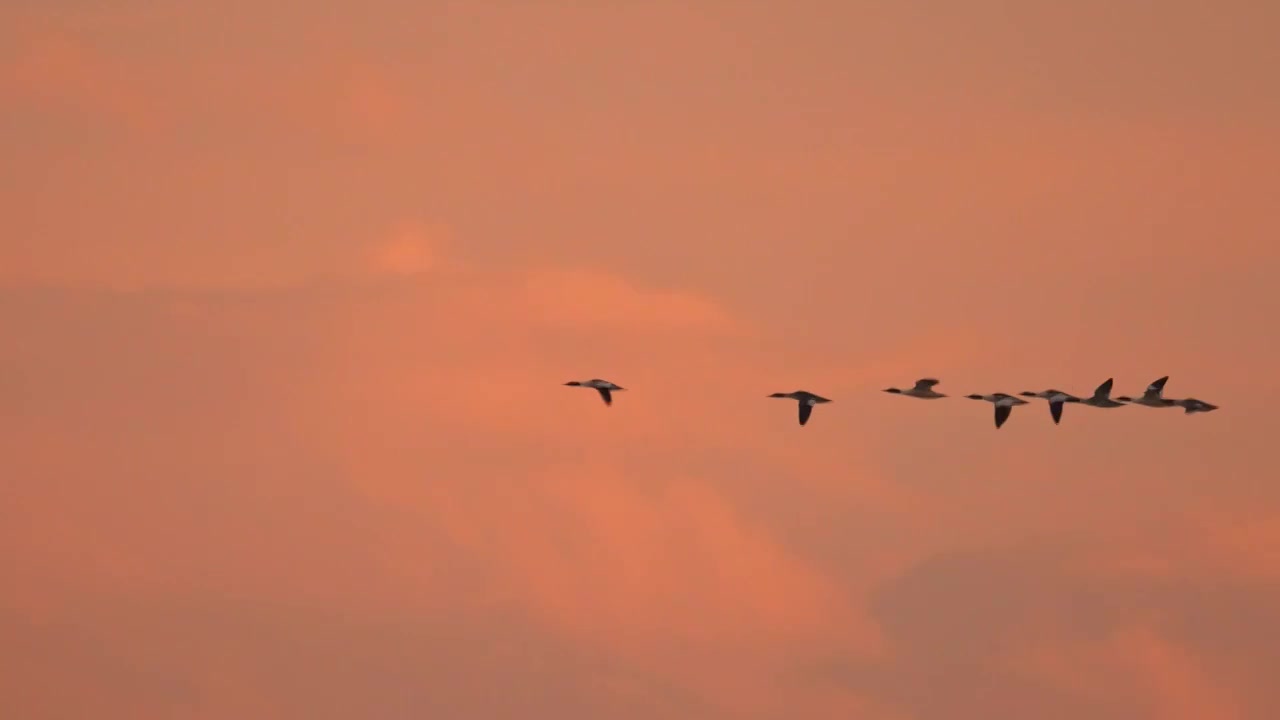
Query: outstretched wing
[[805, 411], [1104, 389], [605, 395], [1055, 409], [1157, 387], [1002, 414], [925, 383]]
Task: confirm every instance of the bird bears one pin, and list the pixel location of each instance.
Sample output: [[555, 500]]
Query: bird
[[1004, 404], [1056, 399], [1102, 396], [604, 387], [806, 401], [1192, 405], [1153, 396], [922, 389]]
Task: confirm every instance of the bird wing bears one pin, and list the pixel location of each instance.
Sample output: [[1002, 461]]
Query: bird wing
[[1157, 387], [1055, 409]]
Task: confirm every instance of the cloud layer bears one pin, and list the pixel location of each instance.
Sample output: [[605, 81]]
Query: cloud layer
[[288, 319]]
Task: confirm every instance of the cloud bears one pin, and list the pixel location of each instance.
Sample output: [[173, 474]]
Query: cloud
[[401, 447], [206, 658], [397, 449], [374, 107], [601, 301], [1181, 688], [671, 577], [1035, 627], [1244, 545], [59, 71], [316, 459], [411, 250]]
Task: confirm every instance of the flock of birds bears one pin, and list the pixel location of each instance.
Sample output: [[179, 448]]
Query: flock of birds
[[1004, 403]]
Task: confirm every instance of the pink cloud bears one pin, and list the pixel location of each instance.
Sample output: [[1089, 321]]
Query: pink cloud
[[58, 70], [1180, 686]]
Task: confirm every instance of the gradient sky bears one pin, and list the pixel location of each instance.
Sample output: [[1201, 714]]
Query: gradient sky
[[288, 292]]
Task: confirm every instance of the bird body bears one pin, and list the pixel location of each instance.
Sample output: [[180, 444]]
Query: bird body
[[922, 389], [1056, 398], [604, 387], [1003, 402], [1153, 396], [806, 401], [1102, 396], [1192, 405]]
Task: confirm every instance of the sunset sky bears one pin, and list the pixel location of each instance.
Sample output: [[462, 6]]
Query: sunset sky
[[289, 292]]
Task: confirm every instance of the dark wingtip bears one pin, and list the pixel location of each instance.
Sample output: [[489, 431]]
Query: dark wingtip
[[1124, 398], [974, 397], [895, 391], [1027, 393]]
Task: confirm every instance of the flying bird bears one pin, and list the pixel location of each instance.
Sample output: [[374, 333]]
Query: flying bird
[[806, 401], [1192, 405], [922, 389], [604, 387], [1153, 396], [1102, 397], [1056, 399], [1004, 404]]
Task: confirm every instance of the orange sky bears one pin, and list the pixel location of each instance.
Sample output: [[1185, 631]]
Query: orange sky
[[289, 294]]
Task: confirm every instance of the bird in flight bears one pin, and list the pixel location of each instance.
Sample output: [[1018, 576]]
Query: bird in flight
[[1056, 399], [1102, 396], [922, 389], [1192, 405], [1153, 396], [806, 401], [604, 387], [1004, 404]]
